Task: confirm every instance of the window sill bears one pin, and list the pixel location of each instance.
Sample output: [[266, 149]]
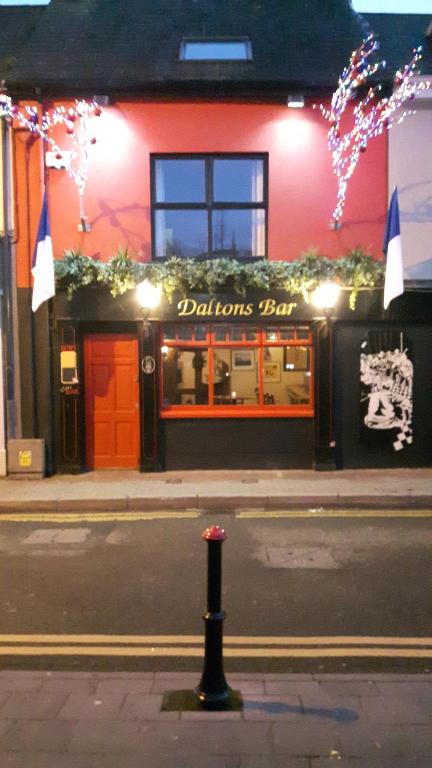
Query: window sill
[[237, 412]]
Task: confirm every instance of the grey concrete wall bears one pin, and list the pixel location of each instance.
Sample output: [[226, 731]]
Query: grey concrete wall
[[410, 168]]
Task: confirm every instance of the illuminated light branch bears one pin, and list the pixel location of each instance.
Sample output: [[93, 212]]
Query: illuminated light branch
[[371, 115], [75, 120]]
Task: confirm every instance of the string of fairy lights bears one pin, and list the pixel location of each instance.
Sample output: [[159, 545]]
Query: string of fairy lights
[[76, 120], [371, 115]]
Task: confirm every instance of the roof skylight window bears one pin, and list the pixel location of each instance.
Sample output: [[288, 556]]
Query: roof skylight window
[[392, 6], [25, 2], [239, 49]]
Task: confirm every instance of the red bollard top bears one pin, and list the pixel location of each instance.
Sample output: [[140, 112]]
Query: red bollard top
[[214, 533]]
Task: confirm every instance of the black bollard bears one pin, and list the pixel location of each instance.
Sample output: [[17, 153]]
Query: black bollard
[[213, 691]]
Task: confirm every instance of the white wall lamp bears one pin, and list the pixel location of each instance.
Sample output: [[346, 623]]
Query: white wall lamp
[[326, 296], [148, 295], [296, 101]]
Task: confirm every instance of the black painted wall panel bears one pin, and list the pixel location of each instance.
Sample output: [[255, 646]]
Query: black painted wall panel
[[35, 372], [238, 443], [351, 453], [26, 363]]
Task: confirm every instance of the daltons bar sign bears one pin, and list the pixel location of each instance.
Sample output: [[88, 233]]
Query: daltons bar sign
[[275, 306], [215, 308]]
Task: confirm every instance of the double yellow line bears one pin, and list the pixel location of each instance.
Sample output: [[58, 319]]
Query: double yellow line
[[125, 516], [235, 646], [97, 517], [328, 512]]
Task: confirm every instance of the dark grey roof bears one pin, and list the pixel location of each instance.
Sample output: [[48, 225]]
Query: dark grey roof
[[399, 34], [132, 46], [16, 29]]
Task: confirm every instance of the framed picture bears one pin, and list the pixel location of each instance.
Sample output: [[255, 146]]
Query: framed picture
[[296, 359], [272, 372], [243, 359]]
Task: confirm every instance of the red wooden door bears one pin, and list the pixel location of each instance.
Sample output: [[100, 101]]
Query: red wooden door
[[111, 401]]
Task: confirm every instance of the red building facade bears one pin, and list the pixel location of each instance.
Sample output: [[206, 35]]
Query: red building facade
[[301, 186], [203, 159], [298, 193]]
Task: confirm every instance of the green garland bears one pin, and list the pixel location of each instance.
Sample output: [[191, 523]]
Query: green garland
[[354, 271]]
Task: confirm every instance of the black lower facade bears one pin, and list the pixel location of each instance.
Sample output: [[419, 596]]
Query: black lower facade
[[238, 444], [368, 403]]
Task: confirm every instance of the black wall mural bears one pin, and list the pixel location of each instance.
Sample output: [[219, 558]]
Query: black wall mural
[[386, 391]]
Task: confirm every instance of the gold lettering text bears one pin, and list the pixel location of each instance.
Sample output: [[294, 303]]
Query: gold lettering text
[[227, 310], [186, 307], [267, 307], [284, 309]]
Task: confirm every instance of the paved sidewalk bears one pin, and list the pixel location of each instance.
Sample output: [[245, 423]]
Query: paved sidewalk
[[221, 490], [113, 720]]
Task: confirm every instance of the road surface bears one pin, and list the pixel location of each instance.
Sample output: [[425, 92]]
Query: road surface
[[300, 593]]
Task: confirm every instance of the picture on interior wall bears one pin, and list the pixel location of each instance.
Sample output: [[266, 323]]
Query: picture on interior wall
[[242, 359], [272, 372], [296, 359], [386, 390]]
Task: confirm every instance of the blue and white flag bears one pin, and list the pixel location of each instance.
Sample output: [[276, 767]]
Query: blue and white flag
[[394, 284], [43, 261]]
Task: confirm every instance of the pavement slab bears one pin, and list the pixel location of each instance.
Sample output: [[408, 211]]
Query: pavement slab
[[67, 686], [338, 709], [346, 762], [180, 683], [292, 685], [212, 717], [41, 706], [275, 761], [404, 762], [242, 738], [247, 687], [273, 708], [3, 698], [93, 760], [44, 760], [398, 711], [105, 736], [344, 688], [36, 736], [302, 740], [143, 706], [398, 688], [28, 684], [91, 707], [387, 741], [128, 685]]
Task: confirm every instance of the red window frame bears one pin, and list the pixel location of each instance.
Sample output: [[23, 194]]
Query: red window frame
[[261, 409]]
